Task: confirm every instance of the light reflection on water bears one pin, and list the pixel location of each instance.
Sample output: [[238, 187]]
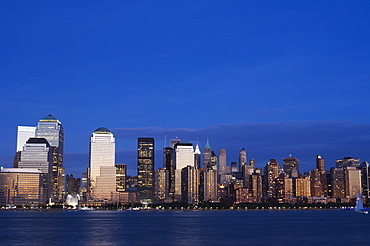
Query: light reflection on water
[[183, 228]]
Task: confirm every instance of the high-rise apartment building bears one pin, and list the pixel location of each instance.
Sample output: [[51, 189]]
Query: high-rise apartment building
[[303, 186], [52, 130], [337, 182], [145, 168], [272, 171], [161, 190], [102, 170]]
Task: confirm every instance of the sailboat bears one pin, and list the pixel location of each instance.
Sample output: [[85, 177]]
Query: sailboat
[[359, 209]]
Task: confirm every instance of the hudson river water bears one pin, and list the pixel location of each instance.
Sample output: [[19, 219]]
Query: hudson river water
[[300, 227]]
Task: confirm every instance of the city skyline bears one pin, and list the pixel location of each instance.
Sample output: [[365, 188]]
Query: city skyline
[[273, 78]]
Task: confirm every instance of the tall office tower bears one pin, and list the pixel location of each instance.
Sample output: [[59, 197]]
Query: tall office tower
[[272, 171], [316, 184], [284, 187], [214, 161], [337, 182], [246, 172], [52, 130], [102, 170], [72, 184], [207, 154], [121, 170], [290, 163], [169, 165], [352, 177], [161, 188], [347, 162], [242, 158], [38, 154], [222, 168], [21, 186], [184, 157], [23, 134], [208, 185], [145, 168], [197, 154], [256, 185], [320, 165], [252, 163], [190, 185], [303, 186]]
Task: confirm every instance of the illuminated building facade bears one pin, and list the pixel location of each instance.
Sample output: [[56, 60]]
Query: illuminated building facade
[[352, 177], [184, 156], [121, 177], [242, 158], [337, 182], [161, 190], [303, 186], [52, 130], [21, 186], [222, 167], [207, 154], [169, 165], [145, 168], [38, 154], [190, 185], [102, 170], [271, 172]]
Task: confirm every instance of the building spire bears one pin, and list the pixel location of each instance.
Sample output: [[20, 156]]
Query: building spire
[[207, 144]]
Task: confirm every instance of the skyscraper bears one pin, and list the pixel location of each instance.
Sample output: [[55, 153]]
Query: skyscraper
[[207, 154], [222, 168], [289, 164], [184, 157], [242, 158], [272, 171], [52, 130], [320, 165], [197, 154], [23, 134], [145, 168], [102, 170], [169, 165], [38, 154]]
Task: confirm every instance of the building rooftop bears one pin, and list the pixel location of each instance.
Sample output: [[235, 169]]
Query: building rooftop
[[102, 130], [37, 140], [49, 118]]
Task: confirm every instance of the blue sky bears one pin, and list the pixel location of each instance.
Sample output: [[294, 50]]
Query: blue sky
[[274, 77]]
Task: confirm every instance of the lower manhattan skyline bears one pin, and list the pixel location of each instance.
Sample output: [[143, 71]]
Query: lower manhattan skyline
[[275, 79]]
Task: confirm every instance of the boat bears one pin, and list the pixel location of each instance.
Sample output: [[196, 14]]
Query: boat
[[85, 209], [359, 209]]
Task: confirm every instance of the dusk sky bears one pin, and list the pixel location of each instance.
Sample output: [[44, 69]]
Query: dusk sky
[[273, 77]]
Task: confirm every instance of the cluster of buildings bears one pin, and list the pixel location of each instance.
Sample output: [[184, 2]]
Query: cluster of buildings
[[188, 176]]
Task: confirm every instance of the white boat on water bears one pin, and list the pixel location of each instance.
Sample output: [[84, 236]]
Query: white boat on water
[[359, 209], [85, 209]]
